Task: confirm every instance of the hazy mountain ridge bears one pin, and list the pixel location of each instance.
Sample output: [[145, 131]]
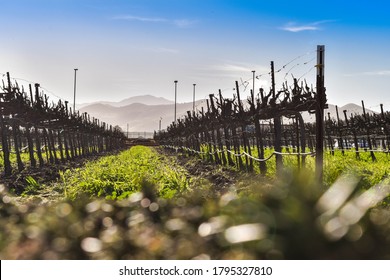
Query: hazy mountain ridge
[[351, 108], [142, 99], [140, 117], [143, 117]]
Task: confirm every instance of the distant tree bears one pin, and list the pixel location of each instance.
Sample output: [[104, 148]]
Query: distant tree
[[117, 127]]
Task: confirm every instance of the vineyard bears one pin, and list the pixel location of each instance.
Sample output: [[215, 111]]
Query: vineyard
[[241, 179], [225, 136]]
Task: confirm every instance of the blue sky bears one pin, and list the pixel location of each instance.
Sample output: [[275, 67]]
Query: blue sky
[[134, 47]]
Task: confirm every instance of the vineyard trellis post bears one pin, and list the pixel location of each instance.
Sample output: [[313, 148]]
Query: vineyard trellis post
[[277, 125], [4, 140], [320, 100], [340, 139], [386, 144], [355, 140], [329, 132], [225, 128], [259, 136], [367, 120], [245, 142]]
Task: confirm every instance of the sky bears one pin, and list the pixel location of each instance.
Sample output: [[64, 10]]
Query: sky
[[125, 48]]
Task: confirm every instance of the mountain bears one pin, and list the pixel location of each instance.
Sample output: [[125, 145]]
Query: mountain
[[141, 117], [138, 116], [142, 99], [351, 108]]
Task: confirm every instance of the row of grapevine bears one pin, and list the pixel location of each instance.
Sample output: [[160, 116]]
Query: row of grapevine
[[249, 133], [360, 132], [228, 126], [35, 132], [233, 132]]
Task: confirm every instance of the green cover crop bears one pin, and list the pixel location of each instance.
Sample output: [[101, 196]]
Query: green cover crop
[[117, 177]]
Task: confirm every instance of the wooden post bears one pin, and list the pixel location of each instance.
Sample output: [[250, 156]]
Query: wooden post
[[320, 101], [4, 140], [277, 125], [386, 130], [367, 119], [59, 140], [66, 143], [302, 138], [15, 132], [53, 144], [328, 130], [38, 145], [206, 135], [339, 128], [354, 135], [295, 140], [259, 139], [33, 162], [236, 144], [71, 146], [247, 148], [222, 158], [210, 111], [227, 137], [31, 95]]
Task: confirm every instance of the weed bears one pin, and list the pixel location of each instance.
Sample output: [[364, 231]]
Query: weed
[[117, 177], [32, 186]]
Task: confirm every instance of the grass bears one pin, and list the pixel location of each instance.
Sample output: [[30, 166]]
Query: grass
[[119, 176], [370, 173]]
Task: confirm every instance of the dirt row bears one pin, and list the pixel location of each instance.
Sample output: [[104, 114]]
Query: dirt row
[[221, 178]]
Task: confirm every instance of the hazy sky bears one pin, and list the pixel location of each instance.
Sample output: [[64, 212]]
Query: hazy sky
[[125, 48]]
